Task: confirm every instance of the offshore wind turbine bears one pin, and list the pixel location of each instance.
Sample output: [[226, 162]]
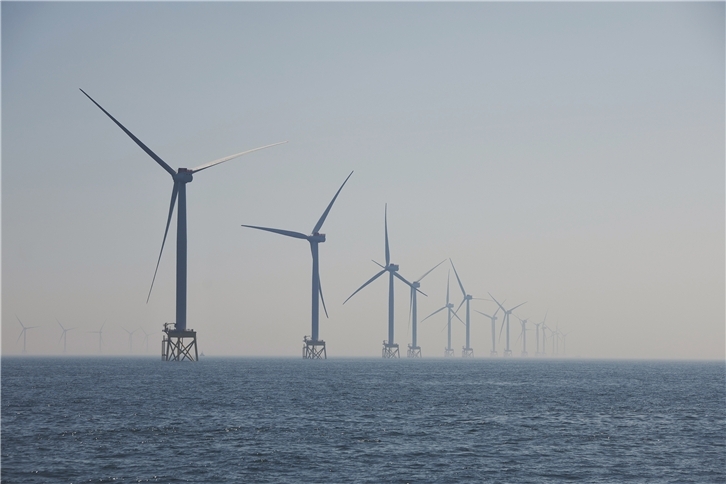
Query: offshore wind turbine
[[24, 332], [448, 351], [467, 351], [63, 335], [100, 336], [564, 343], [131, 334], [314, 347], [507, 313], [414, 350], [493, 319], [390, 349], [177, 350], [146, 338], [537, 325], [523, 335]]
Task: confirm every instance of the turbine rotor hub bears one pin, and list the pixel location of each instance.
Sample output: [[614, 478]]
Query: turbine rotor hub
[[317, 238], [392, 267]]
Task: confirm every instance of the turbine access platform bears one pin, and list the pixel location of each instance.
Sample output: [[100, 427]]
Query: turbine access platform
[[313, 349], [390, 350], [414, 351], [174, 347]]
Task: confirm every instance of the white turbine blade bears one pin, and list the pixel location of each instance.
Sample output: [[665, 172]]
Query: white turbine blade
[[457, 278], [364, 285], [427, 272], [438, 310], [231, 157]]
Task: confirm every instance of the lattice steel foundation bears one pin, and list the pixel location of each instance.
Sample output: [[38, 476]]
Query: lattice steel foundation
[[390, 350], [414, 351], [314, 350], [178, 345], [448, 352], [467, 352]]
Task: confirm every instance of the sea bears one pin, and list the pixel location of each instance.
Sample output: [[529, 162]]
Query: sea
[[72, 420]]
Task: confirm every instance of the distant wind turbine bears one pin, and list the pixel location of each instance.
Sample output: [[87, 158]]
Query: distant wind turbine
[[100, 337], [146, 338], [23, 333], [180, 177], [390, 349], [466, 351], [314, 347], [448, 351], [131, 334], [505, 320], [63, 335], [493, 319], [523, 335], [414, 350]]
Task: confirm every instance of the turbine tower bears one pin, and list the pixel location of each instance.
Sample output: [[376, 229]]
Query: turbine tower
[[100, 337], [390, 349], [537, 325], [314, 347], [467, 351], [414, 350], [63, 335], [24, 332], [564, 343], [175, 348], [523, 335], [505, 320], [448, 351], [493, 319]]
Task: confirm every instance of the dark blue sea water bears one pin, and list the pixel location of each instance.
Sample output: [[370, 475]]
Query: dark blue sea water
[[289, 420]]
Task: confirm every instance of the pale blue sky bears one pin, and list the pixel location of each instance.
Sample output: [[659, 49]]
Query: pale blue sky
[[567, 154]]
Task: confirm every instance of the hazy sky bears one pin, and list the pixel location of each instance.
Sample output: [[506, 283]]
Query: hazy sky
[[570, 155]]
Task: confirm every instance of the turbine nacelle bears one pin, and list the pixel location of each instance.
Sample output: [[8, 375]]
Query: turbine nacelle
[[415, 284], [392, 267], [317, 238], [468, 297], [183, 175]]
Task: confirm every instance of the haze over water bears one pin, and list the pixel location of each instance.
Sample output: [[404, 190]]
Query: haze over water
[[288, 420]]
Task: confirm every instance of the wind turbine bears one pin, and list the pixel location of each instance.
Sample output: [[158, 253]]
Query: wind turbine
[[448, 351], [467, 351], [146, 338], [564, 343], [390, 349], [537, 325], [100, 336], [507, 351], [63, 335], [180, 178], [131, 334], [314, 347], [23, 333], [523, 335], [414, 350], [493, 319]]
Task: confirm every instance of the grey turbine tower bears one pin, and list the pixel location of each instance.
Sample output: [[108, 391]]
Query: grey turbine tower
[[414, 350], [175, 348], [390, 349], [507, 313], [448, 351], [314, 347]]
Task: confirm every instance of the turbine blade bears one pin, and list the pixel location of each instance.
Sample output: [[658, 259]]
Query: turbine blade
[[174, 192], [20, 335], [515, 307], [462, 303], [320, 223], [61, 337], [427, 272], [484, 314], [59, 324], [437, 311], [545, 318], [410, 309], [320, 290], [495, 300], [504, 320], [457, 317], [364, 285], [457, 278], [153, 155], [288, 233], [379, 265], [388, 252], [447, 287], [231, 157], [409, 284], [19, 321]]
